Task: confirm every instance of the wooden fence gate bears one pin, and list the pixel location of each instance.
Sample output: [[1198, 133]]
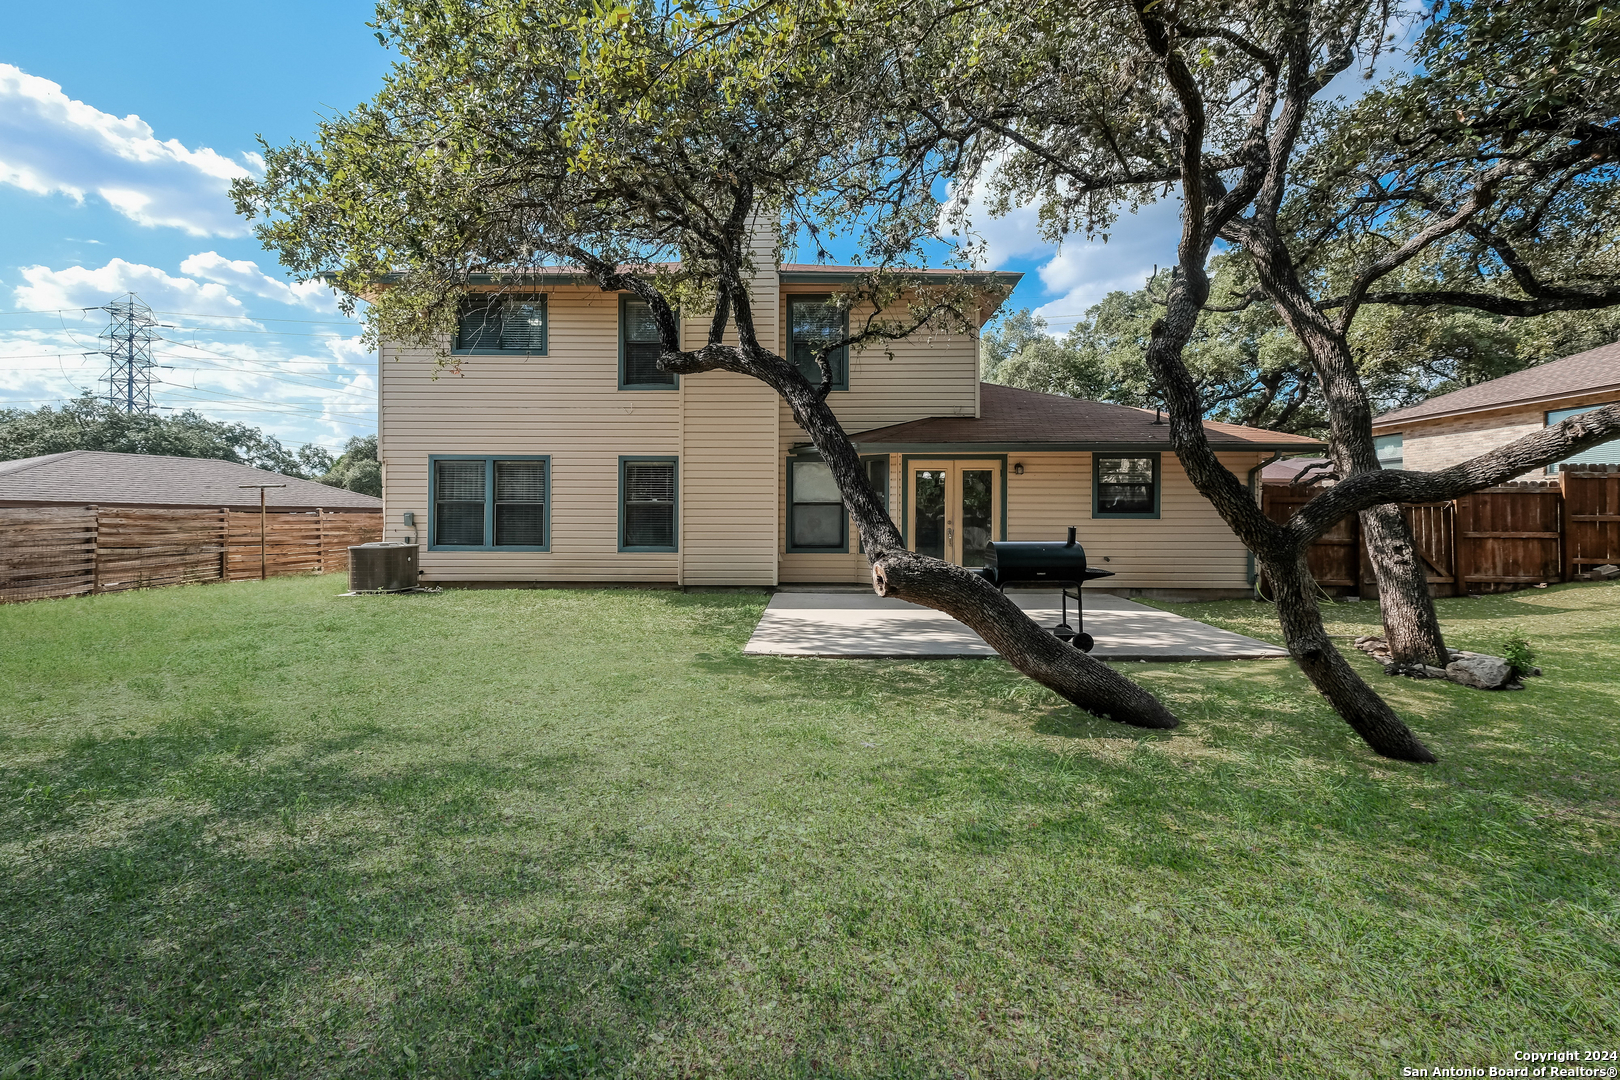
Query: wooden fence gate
[[1496, 540]]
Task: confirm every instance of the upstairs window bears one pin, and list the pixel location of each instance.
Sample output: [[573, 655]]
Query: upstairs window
[[485, 503], [647, 504], [502, 323], [816, 321], [1125, 486], [639, 346]]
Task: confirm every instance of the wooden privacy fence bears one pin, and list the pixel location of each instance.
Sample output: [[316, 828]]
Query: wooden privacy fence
[[1496, 540], [67, 551]]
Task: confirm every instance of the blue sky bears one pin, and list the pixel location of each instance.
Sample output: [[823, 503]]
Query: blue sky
[[120, 128]]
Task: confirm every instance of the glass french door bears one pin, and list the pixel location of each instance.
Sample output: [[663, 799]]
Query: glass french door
[[954, 508]]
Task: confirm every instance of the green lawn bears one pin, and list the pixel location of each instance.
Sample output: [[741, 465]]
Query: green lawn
[[259, 830]]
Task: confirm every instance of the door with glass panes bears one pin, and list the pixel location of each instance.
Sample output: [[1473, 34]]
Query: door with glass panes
[[954, 508]]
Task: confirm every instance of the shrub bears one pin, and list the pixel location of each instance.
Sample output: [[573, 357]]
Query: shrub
[[1516, 651]]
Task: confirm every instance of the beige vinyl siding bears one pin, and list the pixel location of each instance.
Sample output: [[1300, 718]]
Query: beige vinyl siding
[[567, 405], [729, 479], [889, 383], [926, 375], [1187, 546]]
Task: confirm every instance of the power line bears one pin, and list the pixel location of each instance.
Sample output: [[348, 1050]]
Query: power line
[[256, 374]]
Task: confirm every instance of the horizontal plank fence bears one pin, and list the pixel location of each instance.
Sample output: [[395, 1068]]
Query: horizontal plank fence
[[1510, 537], [70, 551]]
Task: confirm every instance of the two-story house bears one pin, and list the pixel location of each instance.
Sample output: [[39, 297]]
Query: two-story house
[[560, 454]]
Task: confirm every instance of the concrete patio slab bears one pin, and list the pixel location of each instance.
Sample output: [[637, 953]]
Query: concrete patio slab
[[864, 625]]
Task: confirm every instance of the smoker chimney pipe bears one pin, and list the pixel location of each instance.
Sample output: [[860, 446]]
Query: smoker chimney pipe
[[1071, 537]]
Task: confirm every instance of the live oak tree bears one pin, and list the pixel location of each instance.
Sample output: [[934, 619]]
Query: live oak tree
[[647, 149], [1093, 107], [1249, 368]]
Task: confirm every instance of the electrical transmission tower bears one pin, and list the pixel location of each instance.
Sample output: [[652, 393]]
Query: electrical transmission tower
[[129, 339]]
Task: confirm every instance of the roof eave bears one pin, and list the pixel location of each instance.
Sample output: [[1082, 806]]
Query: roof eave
[[1056, 447], [1395, 418]]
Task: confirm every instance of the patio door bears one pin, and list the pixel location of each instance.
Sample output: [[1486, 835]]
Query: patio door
[[955, 508]]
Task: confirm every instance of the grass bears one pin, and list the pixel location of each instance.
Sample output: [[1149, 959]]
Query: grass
[[258, 830]]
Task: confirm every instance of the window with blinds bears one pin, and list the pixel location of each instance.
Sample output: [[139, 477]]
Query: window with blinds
[[817, 322], [1125, 486], [502, 323], [647, 516], [458, 503], [520, 503], [639, 346], [1602, 454], [877, 474], [488, 503]]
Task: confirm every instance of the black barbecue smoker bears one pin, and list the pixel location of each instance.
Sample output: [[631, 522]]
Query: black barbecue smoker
[[1039, 562]]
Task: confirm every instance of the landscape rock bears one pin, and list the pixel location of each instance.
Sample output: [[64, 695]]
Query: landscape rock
[[1608, 571], [1479, 671]]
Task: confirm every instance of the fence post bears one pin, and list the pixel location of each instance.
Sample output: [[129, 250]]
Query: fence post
[[1565, 555], [1462, 525], [95, 550]]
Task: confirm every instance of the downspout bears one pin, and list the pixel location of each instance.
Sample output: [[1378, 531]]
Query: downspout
[[1254, 575]]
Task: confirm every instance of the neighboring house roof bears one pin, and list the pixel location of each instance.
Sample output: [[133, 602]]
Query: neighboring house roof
[[1016, 419], [91, 477], [1594, 371], [1284, 471]]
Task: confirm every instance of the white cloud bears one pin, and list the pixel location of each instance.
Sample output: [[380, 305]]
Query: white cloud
[[245, 276], [989, 241], [76, 287], [1083, 272], [51, 144]]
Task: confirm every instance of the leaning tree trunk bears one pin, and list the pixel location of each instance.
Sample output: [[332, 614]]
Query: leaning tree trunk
[[1061, 668], [959, 593], [1282, 553], [1411, 623], [966, 597], [1326, 667]]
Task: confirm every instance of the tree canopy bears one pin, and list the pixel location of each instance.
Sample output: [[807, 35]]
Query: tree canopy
[[89, 423]]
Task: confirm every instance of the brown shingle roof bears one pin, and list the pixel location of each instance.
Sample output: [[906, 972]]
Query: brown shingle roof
[[85, 477], [1024, 419], [1584, 373]]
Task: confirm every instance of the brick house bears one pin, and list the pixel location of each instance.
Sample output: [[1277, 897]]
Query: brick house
[[1454, 427]]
